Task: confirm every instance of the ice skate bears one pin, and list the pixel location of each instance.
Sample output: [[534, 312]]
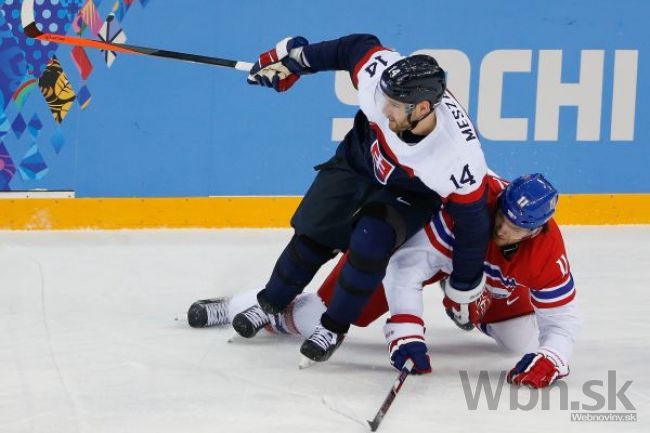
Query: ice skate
[[250, 321], [208, 312], [321, 345]]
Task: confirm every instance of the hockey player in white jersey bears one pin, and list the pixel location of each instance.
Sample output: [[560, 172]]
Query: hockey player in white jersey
[[411, 147]]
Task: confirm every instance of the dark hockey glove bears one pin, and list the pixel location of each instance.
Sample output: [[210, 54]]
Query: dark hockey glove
[[281, 66], [405, 338]]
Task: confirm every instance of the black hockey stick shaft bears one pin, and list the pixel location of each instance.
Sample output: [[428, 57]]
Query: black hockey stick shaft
[[381, 413], [31, 30]]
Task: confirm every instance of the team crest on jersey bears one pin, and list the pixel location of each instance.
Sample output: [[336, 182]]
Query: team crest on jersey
[[383, 167]]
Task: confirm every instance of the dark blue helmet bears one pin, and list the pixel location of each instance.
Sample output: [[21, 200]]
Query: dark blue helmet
[[529, 201], [413, 79]]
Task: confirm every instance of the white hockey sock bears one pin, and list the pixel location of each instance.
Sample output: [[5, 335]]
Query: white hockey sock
[[304, 313]]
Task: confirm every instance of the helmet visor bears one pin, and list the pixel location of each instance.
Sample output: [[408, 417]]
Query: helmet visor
[[391, 107]]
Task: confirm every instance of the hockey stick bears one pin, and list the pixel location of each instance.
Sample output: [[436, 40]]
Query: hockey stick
[[30, 30], [374, 424]]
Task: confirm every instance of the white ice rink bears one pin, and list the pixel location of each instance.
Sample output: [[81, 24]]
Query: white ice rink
[[89, 343]]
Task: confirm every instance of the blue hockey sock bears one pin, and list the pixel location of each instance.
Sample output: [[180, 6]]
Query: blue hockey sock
[[371, 245], [295, 268]]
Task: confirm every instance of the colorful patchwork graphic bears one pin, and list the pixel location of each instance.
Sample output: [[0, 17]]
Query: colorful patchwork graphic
[[52, 16], [88, 17], [26, 64], [57, 90]]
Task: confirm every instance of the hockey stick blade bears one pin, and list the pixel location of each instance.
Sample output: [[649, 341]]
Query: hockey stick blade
[[381, 413], [31, 30]]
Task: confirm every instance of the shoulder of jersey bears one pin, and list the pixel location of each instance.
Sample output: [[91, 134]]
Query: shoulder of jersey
[[548, 245], [368, 70]]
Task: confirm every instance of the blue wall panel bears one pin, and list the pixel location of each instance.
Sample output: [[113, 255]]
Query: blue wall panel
[[157, 127]]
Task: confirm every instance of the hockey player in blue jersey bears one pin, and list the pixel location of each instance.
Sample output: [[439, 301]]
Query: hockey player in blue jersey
[[412, 147]]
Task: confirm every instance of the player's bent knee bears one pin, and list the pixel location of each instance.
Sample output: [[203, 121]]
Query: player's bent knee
[[388, 214], [371, 244]]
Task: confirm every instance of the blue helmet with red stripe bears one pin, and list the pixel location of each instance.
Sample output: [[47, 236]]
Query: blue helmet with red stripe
[[529, 201]]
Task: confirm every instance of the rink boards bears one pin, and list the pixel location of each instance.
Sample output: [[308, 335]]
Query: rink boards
[[263, 212]]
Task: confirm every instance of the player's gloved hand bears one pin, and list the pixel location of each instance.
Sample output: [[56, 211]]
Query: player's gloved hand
[[405, 338], [281, 66], [466, 308], [538, 370]]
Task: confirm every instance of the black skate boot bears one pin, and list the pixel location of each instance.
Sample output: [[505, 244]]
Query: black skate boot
[[208, 312], [321, 345], [251, 320]]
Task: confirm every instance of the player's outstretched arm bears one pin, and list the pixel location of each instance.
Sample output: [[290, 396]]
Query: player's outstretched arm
[[558, 329], [280, 67]]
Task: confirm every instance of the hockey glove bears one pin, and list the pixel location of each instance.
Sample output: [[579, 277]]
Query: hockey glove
[[538, 370], [281, 66], [405, 338], [466, 308]]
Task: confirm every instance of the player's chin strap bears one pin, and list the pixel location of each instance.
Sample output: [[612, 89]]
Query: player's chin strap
[[414, 123]]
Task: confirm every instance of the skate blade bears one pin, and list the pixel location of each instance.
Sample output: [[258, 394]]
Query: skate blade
[[305, 363], [234, 338]]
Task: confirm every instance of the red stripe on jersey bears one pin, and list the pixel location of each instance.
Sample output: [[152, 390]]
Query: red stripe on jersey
[[363, 61], [497, 283], [405, 318], [472, 196], [384, 146], [553, 304], [435, 242]]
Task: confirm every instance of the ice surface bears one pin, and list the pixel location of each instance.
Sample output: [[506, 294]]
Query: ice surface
[[89, 342]]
